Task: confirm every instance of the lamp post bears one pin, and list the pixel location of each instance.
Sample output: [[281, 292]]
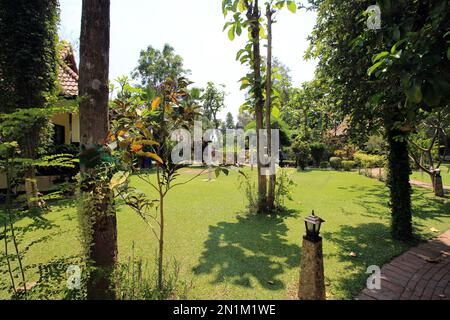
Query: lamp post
[[312, 279]]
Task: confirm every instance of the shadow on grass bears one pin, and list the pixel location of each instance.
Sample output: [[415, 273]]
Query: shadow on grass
[[252, 248], [425, 206], [372, 244]]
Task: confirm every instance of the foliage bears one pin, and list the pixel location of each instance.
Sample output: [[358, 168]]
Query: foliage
[[143, 129], [156, 66], [136, 281], [367, 161], [376, 144], [302, 152], [283, 190], [324, 165], [229, 122], [374, 91], [248, 186], [318, 151], [336, 163], [213, 102], [28, 57], [348, 165]]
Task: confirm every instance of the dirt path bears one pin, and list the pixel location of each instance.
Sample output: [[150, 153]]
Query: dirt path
[[376, 174]]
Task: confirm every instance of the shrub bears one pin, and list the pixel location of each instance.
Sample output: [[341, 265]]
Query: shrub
[[283, 190], [367, 161], [324, 165], [302, 153], [340, 153], [317, 152], [348, 165], [336, 163], [136, 280]]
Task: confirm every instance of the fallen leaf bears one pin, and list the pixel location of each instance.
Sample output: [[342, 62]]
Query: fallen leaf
[[434, 230]]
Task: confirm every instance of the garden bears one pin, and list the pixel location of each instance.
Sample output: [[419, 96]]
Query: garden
[[151, 186]]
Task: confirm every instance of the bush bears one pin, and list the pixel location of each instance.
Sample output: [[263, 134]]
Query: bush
[[324, 165], [367, 161], [302, 153], [336, 163], [317, 152], [348, 165], [136, 280], [341, 153]]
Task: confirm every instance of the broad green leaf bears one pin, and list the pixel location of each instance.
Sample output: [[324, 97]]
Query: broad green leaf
[[262, 33], [448, 53], [374, 67], [231, 33], [241, 6], [292, 6], [380, 56], [276, 112], [414, 93]]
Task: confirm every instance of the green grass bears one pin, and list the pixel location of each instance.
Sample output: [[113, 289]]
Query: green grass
[[424, 177], [227, 255]]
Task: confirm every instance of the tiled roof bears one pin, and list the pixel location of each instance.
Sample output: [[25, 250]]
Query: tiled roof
[[68, 72]]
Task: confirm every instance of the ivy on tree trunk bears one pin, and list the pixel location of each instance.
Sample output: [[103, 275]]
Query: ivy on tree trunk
[[398, 182], [94, 129]]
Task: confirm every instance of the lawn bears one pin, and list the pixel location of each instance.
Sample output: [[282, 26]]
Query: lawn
[[228, 255], [423, 176]]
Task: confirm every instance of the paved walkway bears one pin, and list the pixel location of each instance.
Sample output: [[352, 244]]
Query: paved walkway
[[376, 173], [422, 273]]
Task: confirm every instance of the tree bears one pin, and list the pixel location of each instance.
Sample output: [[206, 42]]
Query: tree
[[229, 122], [97, 213], [213, 102], [425, 147], [379, 78], [155, 66], [28, 61], [145, 129], [247, 14]]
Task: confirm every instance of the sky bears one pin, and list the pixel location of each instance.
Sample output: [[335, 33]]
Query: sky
[[194, 29]]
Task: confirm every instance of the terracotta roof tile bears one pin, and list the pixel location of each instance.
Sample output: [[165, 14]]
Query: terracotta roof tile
[[68, 72]]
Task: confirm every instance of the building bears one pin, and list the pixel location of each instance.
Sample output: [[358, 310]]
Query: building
[[67, 125]]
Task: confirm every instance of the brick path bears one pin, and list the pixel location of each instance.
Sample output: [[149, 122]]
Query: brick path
[[422, 273]]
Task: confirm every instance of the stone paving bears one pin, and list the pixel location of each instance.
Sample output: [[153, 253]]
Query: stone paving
[[422, 273]]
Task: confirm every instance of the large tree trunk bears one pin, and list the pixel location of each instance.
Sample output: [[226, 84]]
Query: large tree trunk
[[259, 104], [273, 176], [398, 182], [94, 127]]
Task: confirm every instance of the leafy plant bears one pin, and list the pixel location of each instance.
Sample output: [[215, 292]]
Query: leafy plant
[[143, 129], [348, 165], [336, 163]]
